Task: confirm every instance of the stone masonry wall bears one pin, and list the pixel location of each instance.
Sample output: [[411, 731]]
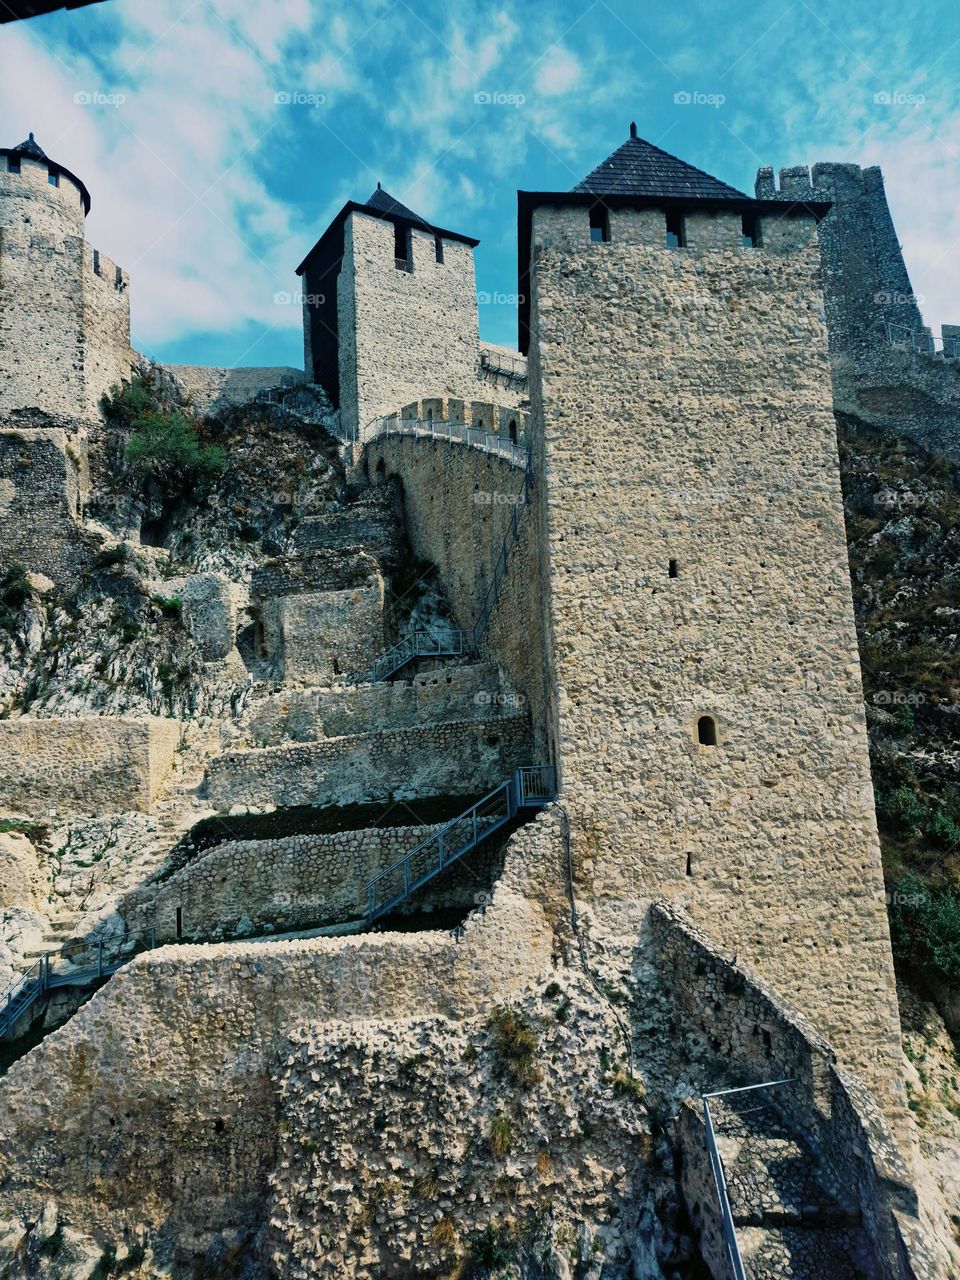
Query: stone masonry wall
[[86, 765], [211, 389], [40, 504], [459, 501], [454, 757], [449, 693], [294, 882], [318, 635], [740, 1022], [698, 568], [402, 334]]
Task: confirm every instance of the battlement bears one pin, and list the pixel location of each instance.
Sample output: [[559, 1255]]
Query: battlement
[[24, 177]]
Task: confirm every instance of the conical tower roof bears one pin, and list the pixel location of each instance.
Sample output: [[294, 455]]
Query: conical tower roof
[[638, 168]]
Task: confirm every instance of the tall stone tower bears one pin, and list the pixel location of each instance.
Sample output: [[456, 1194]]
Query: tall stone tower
[[64, 307], [696, 587], [389, 311]]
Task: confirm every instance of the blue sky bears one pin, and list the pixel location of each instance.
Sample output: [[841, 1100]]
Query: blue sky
[[218, 137]]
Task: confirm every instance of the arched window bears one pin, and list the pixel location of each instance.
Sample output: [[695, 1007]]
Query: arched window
[[707, 731]]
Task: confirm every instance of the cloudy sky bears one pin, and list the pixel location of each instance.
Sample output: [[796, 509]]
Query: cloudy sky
[[218, 137]]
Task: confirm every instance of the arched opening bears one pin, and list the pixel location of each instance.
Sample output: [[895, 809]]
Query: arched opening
[[381, 470], [707, 731], [689, 864]]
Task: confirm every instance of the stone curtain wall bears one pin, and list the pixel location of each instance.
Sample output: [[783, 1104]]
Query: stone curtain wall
[[212, 389], [319, 635], [402, 334], [64, 329], [459, 502], [295, 882], [158, 1101], [88, 765], [40, 504], [683, 404], [866, 284], [449, 693], [754, 1036], [454, 757]]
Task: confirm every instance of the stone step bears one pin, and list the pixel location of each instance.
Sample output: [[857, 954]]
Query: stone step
[[805, 1253]]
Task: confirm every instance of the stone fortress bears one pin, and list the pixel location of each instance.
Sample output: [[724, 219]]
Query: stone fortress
[[641, 603]]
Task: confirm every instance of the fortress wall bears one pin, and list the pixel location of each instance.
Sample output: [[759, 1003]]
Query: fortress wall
[[158, 1101], [40, 503], [211, 389], [323, 634], [87, 765], [458, 503], [744, 1023], [106, 328], [448, 693], [402, 334], [454, 757], [42, 349], [718, 454], [295, 882]]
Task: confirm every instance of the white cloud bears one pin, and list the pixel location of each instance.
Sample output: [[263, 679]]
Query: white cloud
[[558, 72]]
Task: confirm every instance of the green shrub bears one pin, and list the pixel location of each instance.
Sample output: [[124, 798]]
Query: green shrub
[[166, 448], [125, 405], [169, 606], [501, 1135], [517, 1043], [925, 926], [15, 591]]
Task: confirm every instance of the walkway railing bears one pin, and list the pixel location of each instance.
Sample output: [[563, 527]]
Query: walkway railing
[[511, 367], [78, 964], [418, 644], [531, 787], [514, 452], [921, 340], [726, 1213]]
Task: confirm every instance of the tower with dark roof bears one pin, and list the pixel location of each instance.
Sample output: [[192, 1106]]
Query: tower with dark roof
[[389, 310], [64, 307], [696, 585]]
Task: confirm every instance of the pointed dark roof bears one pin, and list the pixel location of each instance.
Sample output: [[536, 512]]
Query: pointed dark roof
[[31, 148], [383, 202], [638, 168], [33, 151]]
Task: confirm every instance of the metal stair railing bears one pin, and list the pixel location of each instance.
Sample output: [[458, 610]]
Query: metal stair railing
[[418, 644], [532, 786], [86, 962]]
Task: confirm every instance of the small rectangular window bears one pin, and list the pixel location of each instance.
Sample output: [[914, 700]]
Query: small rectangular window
[[600, 224], [676, 231], [401, 247], [751, 231], [438, 247], [673, 568], [53, 177], [13, 164], [96, 262]]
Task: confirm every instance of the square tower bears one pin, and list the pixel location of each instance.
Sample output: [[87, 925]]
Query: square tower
[[389, 311], [707, 714]]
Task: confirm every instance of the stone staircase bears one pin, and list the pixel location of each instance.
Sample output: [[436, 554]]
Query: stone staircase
[[793, 1221]]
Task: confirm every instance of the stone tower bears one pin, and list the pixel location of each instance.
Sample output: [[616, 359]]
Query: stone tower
[[699, 614], [64, 307], [389, 311]]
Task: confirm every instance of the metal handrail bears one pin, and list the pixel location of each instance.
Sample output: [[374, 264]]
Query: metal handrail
[[418, 644], [726, 1213], [44, 974], [928, 344], [506, 366], [513, 452], [531, 786]]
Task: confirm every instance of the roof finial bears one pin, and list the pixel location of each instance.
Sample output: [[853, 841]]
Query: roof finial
[[633, 128], [379, 188]]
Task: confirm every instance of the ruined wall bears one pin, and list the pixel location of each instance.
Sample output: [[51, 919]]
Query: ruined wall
[[684, 409], [454, 757], [211, 389], [459, 502], [449, 693], [869, 299], [402, 334], [85, 765], [64, 330], [745, 1027], [319, 635], [40, 504]]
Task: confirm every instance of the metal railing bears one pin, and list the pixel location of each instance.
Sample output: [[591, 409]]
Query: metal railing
[[726, 1213], [512, 367], [77, 964], [530, 787], [921, 340], [418, 644], [514, 452]]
